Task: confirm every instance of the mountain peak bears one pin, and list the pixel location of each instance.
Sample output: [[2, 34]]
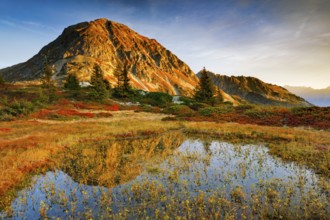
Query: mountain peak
[[109, 44]]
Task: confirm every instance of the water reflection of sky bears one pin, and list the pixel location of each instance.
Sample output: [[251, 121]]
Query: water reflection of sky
[[198, 166]]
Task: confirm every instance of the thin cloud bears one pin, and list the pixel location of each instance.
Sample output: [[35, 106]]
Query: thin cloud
[[8, 23], [275, 40], [31, 26]]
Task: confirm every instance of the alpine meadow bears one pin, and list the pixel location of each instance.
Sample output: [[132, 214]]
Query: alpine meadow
[[106, 123]]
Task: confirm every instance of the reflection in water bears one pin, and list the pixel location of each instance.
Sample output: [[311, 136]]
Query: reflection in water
[[159, 179], [109, 163]]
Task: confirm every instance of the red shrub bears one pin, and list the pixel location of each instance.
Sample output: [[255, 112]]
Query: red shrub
[[41, 114], [72, 112], [84, 105], [64, 102], [103, 115], [5, 129], [80, 105], [112, 108]]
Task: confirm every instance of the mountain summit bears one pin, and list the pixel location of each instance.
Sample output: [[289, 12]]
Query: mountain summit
[[109, 44]]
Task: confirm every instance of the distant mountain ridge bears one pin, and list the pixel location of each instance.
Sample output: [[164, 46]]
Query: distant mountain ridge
[[319, 97], [109, 44], [255, 91]]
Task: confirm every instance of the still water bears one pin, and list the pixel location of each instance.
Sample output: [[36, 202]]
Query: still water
[[194, 176]]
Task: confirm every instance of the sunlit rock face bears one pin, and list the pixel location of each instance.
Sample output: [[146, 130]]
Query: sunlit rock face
[[109, 44], [255, 91]]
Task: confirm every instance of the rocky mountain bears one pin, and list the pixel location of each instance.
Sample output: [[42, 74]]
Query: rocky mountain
[[255, 91], [319, 97], [108, 44]]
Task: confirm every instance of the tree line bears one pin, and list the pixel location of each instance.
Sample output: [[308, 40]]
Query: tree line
[[100, 86], [205, 91]]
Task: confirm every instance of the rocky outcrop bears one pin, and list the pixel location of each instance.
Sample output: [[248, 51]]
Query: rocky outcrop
[[255, 91], [109, 44]]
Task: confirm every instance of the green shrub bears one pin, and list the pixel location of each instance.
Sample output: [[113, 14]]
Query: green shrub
[[253, 113], [260, 112], [198, 105], [179, 110], [5, 117], [2, 81], [223, 109], [302, 110], [158, 99], [16, 109], [242, 108], [187, 100]]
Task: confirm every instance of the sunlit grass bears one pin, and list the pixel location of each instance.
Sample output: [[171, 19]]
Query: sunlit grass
[[306, 147], [152, 178], [28, 147]]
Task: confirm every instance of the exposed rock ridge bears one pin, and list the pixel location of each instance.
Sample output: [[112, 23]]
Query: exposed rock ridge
[[109, 44], [255, 91]]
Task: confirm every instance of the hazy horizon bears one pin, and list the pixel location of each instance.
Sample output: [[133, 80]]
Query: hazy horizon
[[280, 42]]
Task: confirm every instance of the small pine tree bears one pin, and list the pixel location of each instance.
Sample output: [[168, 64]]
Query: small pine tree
[[99, 89], [48, 84], [126, 81], [107, 84], [205, 90], [119, 77], [72, 83], [47, 74], [2, 81], [123, 87]]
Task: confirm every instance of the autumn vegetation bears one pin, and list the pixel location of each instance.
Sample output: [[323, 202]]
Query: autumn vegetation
[[99, 136]]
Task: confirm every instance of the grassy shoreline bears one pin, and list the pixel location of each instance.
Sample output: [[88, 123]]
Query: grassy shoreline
[[310, 148], [28, 147]]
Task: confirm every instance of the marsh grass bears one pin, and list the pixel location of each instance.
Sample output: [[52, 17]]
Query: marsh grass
[[105, 152], [303, 146], [198, 180], [31, 145]]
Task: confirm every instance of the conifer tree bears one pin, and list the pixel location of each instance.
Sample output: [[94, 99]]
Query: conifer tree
[[123, 87], [99, 89], [205, 90], [72, 83], [48, 84], [119, 78], [126, 81], [47, 74], [2, 81]]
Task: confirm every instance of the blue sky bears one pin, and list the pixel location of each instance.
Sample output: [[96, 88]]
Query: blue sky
[[284, 42]]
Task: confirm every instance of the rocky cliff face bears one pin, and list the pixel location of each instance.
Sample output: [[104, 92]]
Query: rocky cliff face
[[255, 91], [109, 44]]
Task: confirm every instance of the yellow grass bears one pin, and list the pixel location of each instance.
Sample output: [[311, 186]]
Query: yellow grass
[[30, 145], [306, 147]]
